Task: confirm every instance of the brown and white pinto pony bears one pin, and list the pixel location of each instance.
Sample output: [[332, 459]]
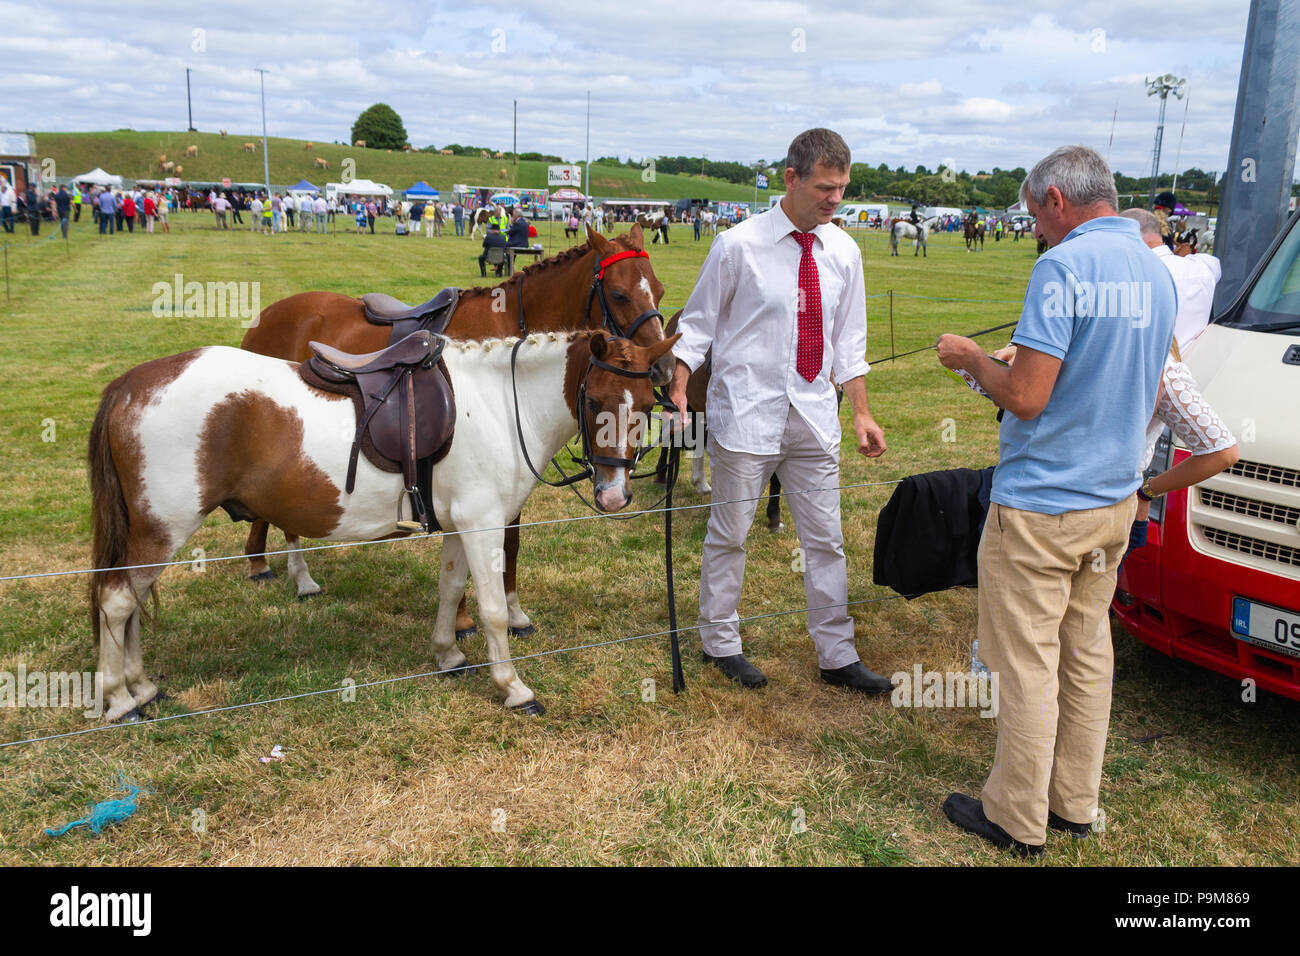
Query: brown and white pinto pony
[[176, 438], [556, 298], [479, 219]]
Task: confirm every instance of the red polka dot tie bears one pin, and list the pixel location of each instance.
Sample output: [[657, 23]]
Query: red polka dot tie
[[808, 360]]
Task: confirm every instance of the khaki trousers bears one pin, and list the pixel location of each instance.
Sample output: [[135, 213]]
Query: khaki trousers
[[1045, 583], [803, 463]]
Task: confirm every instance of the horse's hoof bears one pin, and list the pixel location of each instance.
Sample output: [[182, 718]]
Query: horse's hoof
[[267, 575], [460, 670], [465, 632], [132, 716], [533, 708], [776, 528], [309, 595], [525, 631]]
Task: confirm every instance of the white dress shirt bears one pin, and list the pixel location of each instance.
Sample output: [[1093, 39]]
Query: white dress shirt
[[1195, 277], [744, 306]]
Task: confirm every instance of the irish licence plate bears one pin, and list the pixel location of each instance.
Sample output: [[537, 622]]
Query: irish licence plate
[[1266, 626]]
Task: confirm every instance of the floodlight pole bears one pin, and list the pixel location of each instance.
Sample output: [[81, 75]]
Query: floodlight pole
[[1162, 86], [189, 104], [266, 162], [588, 174]]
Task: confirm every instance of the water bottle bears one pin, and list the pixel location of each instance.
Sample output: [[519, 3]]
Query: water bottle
[[977, 666]]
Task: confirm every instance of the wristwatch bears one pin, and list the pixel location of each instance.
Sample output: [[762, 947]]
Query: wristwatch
[[1145, 492]]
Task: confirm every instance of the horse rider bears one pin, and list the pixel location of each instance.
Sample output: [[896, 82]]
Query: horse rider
[[914, 217], [1165, 205]]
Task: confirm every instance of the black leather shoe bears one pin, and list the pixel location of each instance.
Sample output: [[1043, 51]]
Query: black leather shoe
[[1079, 831], [968, 813], [738, 669], [855, 676]]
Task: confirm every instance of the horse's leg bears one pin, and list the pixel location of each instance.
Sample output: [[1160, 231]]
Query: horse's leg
[[489, 587], [520, 625], [117, 609], [661, 468], [298, 569], [259, 569], [451, 591], [774, 522]]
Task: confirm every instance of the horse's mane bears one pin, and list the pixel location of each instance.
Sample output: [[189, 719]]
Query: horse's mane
[[560, 258]]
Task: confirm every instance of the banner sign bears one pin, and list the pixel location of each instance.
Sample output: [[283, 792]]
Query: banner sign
[[564, 176]]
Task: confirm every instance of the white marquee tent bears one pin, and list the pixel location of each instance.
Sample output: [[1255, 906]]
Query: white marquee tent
[[97, 177], [358, 187]]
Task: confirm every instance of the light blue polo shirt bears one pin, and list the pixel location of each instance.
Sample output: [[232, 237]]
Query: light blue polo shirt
[[1105, 306]]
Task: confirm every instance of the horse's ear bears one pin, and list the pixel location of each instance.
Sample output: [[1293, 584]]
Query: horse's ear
[[599, 345], [637, 237], [659, 349], [598, 242]]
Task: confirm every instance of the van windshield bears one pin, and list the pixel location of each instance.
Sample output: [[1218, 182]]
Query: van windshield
[[1274, 302]]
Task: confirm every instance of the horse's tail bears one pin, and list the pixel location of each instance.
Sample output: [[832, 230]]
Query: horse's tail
[[110, 519]]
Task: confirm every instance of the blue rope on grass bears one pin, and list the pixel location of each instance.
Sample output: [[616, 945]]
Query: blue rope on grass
[[107, 812]]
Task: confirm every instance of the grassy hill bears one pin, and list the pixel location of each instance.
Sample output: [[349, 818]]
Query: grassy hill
[[136, 155]]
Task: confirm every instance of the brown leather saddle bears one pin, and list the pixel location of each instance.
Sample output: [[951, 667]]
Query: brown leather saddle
[[383, 309], [405, 407]]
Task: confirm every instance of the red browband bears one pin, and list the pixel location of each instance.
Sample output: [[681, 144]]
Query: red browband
[[629, 254]]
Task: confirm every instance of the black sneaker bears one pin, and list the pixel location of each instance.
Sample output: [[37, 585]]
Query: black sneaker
[[1079, 831], [968, 813], [857, 677], [738, 669]]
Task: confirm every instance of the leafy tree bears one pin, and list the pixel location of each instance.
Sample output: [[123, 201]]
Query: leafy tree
[[380, 127]]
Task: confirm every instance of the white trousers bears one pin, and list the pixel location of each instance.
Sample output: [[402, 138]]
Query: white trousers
[[803, 463]]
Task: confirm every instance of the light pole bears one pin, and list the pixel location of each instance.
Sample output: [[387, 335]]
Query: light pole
[[1162, 86], [266, 162], [189, 104]]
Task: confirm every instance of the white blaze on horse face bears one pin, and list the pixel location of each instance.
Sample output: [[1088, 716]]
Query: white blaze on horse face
[[644, 286]]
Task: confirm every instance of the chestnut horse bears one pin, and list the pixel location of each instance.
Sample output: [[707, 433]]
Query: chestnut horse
[[176, 438], [973, 231], [557, 296]]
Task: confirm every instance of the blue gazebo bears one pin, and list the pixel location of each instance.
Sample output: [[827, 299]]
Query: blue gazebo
[[420, 190], [302, 186]]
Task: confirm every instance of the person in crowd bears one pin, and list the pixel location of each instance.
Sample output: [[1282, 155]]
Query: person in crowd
[[290, 206], [150, 210], [117, 209], [255, 213], [267, 216], [372, 212], [234, 203], [62, 202], [430, 214], [439, 217], [780, 299], [1195, 277], [695, 224], [1059, 521], [128, 211], [107, 212], [493, 239], [163, 211], [360, 218], [458, 217], [571, 225], [518, 234], [76, 203], [320, 211], [220, 207]]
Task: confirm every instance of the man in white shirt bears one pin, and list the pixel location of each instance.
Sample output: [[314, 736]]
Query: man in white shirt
[[1195, 277], [781, 300]]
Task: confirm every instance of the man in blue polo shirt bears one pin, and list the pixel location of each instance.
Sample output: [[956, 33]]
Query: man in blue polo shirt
[[1092, 339]]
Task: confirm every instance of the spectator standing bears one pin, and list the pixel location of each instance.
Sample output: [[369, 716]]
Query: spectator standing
[[220, 206], [107, 211], [371, 212], [63, 208], [255, 213], [76, 203], [128, 211], [163, 210], [1059, 521], [150, 210], [439, 217], [430, 215], [458, 216], [320, 209]]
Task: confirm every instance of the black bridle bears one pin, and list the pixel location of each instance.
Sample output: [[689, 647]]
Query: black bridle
[[587, 461]]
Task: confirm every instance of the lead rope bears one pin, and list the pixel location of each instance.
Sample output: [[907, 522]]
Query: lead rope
[[675, 651]]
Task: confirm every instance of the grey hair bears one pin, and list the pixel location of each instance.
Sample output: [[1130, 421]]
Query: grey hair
[[814, 146], [1079, 172], [1146, 221]]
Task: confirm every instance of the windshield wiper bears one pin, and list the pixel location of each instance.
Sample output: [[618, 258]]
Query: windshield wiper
[[1275, 327]]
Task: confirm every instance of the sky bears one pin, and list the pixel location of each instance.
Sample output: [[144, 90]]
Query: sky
[[972, 84]]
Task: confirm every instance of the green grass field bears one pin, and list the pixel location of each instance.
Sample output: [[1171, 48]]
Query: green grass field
[[419, 771], [136, 155]]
